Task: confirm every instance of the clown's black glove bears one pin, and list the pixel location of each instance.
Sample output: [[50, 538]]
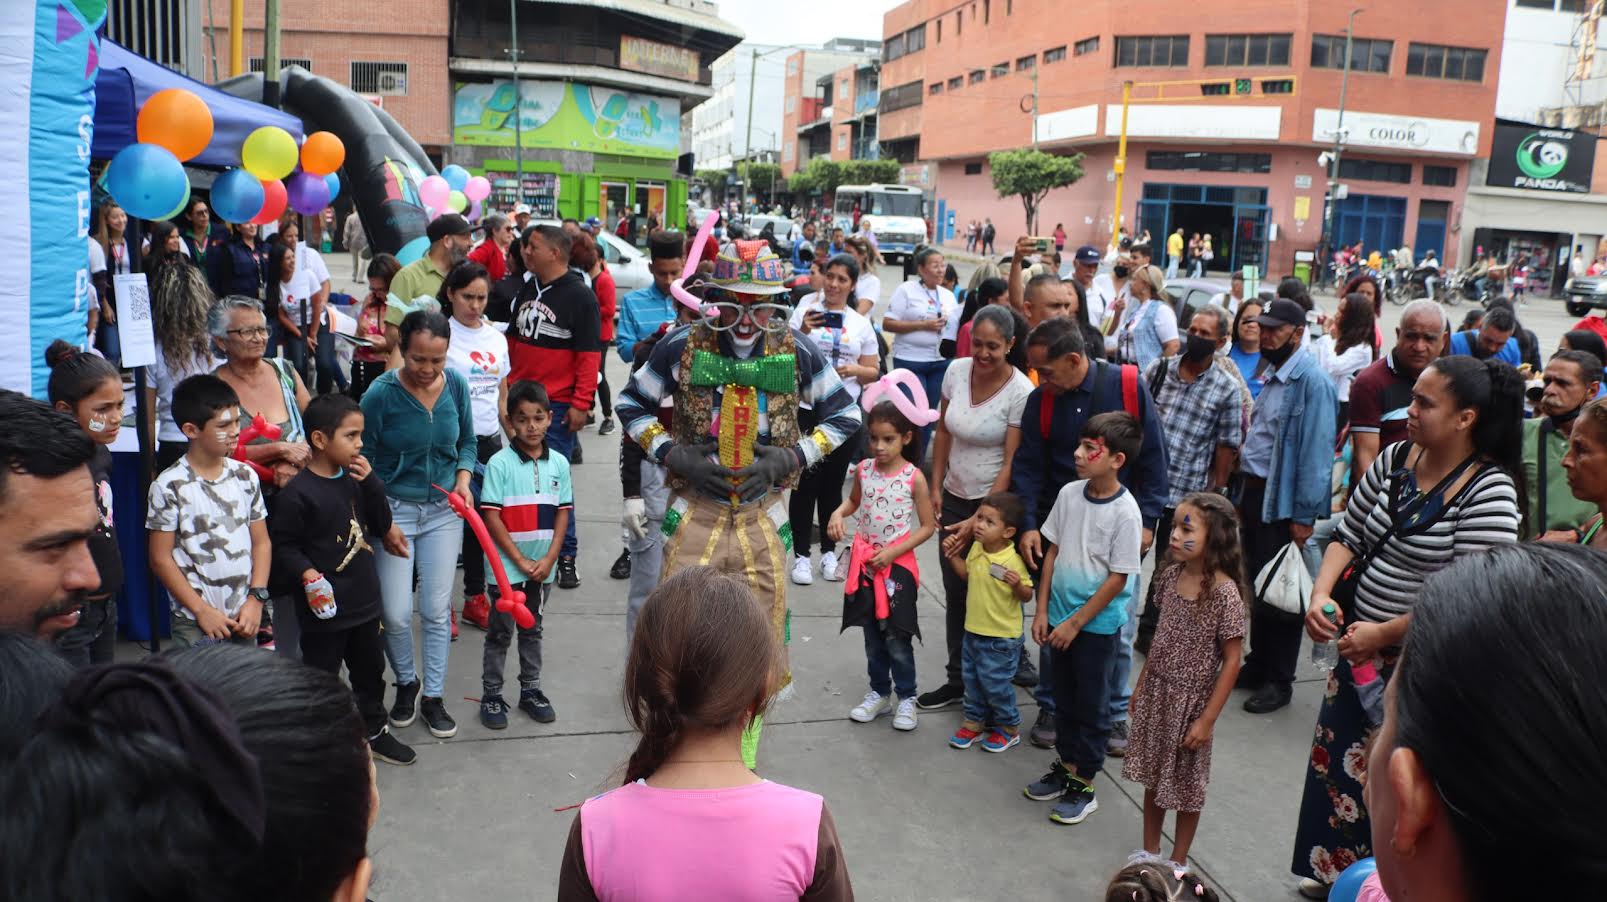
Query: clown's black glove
[[691, 462], [770, 465]]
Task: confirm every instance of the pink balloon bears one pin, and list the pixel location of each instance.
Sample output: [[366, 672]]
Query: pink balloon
[[434, 191], [478, 188], [704, 231]]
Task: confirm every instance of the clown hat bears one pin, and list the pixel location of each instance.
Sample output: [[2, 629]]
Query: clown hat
[[750, 267]]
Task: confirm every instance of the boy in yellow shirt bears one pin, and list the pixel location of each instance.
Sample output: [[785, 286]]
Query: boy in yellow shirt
[[997, 584]]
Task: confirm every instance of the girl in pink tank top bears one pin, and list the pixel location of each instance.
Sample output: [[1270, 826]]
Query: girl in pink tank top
[[690, 822]]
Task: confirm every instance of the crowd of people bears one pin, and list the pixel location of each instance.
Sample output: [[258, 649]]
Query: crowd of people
[[1048, 435]]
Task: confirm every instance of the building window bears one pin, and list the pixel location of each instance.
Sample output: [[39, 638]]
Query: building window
[[1440, 176], [955, 83], [1375, 171], [1538, 4], [1000, 70], [1086, 46], [978, 76], [1181, 161], [1026, 62], [1278, 86], [792, 104], [255, 63], [1366, 55], [959, 22], [787, 150], [901, 97], [935, 88], [939, 30], [893, 49], [973, 168], [1216, 89], [915, 39], [1054, 54], [987, 11], [1247, 49], [1436, 61], [379, 78], [842, 140], [1164, 50]]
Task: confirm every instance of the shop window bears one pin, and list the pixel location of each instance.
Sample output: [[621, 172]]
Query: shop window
[[1247, 49], [1054, 54], [973, 168], [1439, 176], [1366, 54], [1375, 171], [1183, 161], [1026, 62], [1084, 46], [1164, 50], [1452, 63], [1000, 70]]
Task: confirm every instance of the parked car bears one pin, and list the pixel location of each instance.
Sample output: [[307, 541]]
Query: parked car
[[1585, 293], [627, 263], [1189, 295]]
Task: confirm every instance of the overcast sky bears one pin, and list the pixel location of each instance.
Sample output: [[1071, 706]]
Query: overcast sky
[[814, 22]]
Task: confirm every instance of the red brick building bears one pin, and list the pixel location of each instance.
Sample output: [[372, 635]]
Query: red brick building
[[1230, 118]]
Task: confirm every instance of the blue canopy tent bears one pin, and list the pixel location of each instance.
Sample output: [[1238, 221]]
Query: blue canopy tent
[[126, 80]]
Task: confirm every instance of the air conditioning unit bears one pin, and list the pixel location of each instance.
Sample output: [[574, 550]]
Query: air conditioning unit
[[391, 82]]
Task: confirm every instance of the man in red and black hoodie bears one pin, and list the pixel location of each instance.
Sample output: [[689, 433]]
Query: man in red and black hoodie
[[554, 337]]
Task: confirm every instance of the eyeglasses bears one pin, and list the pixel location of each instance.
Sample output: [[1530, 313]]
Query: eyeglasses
[[249, 334], [715, 313]]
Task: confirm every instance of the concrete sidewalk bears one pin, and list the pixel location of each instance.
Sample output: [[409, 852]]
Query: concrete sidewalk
[[477, 816]]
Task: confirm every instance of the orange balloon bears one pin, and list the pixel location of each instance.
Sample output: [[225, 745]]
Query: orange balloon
[[322, 154], [177, 120], [274, 198]]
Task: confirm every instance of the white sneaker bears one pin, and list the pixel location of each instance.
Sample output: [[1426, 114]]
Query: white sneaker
[[803, 572], [905, 718], [874, 706], [832, 569]]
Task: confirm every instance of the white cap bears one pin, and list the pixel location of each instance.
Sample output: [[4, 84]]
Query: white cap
[[521, 208]]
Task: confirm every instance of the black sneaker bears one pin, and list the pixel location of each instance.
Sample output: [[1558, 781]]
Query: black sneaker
[[567, 577], [441, 724], [1116, 746], [622, 566], [575, 455], [493, 712], [1042, 733], [941, 697], [1269, 698], [607, 427], [1050, 786], [1026, 673], [404, 712], [534, 703], [387, 748]]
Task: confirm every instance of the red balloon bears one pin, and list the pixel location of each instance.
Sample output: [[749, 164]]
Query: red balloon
[[273, 201]]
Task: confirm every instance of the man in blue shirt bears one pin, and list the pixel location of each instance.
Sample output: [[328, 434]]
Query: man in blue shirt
[[1496, 337], [642, 311], [800, 266]]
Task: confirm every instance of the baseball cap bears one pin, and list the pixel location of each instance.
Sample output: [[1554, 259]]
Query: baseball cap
[[1282, 312], [593, 223], [447, 224], [521, 208], [1087, 255]]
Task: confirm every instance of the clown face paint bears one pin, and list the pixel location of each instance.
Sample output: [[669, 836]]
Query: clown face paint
[[99, 413], [1092, 458], [223, 429]]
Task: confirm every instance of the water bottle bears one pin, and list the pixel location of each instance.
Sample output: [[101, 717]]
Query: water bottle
[[1325, 655]]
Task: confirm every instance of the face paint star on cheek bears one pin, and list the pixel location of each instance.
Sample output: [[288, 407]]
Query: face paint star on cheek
[[96, 424]]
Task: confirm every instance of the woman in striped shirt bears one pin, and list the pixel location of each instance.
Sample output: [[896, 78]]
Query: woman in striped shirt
[[1456, 487]]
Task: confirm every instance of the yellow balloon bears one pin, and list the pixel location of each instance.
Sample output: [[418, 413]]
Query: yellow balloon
[[269, 153]]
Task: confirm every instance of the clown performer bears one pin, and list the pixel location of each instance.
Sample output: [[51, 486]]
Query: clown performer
[[739, 376]]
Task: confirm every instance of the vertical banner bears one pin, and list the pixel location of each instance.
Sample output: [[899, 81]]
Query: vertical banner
[[47, 98]]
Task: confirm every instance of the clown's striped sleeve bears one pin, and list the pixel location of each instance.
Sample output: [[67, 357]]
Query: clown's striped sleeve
[[652, 382], [823, 390]]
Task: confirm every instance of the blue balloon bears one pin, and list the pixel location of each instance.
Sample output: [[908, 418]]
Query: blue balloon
[[1349, 883], [237, 196], [456, 176], [412, 251], [147, 180], [333, 181]]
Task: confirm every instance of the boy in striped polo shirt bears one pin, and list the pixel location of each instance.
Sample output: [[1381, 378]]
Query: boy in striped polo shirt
[[528, 499]]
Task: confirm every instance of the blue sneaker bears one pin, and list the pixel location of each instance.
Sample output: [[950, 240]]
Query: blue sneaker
[[494, 712], [1075, 805], [1050, 786], [964, 737], [1000, 741]]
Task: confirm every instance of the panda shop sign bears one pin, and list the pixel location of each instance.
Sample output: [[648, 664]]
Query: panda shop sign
[[1540, 159]]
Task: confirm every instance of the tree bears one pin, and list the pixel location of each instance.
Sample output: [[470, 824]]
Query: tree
[[823, 174], [764, 179], [1031, 175], [716, 180], [868, 172]]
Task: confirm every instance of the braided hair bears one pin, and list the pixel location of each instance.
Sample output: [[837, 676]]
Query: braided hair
[[1153, 879]]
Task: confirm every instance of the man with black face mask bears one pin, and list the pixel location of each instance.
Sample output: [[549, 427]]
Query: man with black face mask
[[1572, 378]]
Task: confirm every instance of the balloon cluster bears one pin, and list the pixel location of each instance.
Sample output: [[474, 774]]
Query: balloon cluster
[[454, 191], [148, 180]]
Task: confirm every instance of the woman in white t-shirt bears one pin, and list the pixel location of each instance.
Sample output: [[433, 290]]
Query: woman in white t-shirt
[[977, 434], [315, 273], [846, 339], [916, 317], [478, 350], [1348, 346], [868, 286], [291, 309]]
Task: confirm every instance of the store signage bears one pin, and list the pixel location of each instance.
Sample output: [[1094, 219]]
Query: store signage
[[1412, 133], [563, 115], [653, 58], [1540, 159]]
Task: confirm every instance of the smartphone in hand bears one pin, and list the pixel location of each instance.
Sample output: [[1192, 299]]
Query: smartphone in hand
[[834, 319], [1043, 245]]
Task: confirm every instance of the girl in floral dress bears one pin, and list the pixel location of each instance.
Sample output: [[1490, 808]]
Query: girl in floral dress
[[1190, 669]]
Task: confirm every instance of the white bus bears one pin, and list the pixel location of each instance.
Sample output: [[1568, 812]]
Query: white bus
[[894, 212]]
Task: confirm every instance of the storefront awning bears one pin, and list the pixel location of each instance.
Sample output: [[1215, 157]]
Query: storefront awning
[[126, 80]]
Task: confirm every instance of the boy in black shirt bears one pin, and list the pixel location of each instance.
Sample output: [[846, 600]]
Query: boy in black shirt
[[322, 524]]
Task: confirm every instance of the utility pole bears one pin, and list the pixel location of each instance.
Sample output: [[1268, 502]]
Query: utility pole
[[518, 108], [1034, 107], [1121, 166], [237, 40], [1326, 238], [747, 142], [270, 53]]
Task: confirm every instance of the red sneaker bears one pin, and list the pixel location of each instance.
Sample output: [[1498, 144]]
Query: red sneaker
[[477, 610], [454, 626], [964, 737]]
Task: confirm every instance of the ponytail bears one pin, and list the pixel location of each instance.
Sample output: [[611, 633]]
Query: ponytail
[[1496, 390], [75, 374], [1150, 878]]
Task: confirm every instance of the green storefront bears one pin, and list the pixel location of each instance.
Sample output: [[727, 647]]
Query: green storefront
[[588, 150]]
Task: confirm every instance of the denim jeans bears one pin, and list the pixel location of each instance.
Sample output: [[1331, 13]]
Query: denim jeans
[[110, 342], [560, 439], [1044, 692], [1171, 266], [647, 553], [500, 635], [987, 663], [434, 536], [1121, 667], [1081, 681], [890, 661], [930, 372], [955, 590]]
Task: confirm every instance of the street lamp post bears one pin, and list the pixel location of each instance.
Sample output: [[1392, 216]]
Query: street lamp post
[[747, 142], [1326, 238], [518, 106]]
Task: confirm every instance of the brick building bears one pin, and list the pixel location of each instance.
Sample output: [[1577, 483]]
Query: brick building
[[1226, 137], [812, 116]]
